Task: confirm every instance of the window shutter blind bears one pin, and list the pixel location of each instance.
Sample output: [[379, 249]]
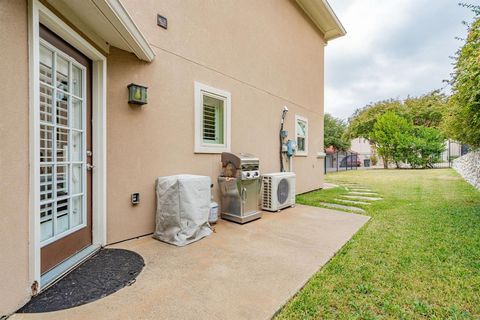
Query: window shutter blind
[[212, 120], [209, 123]]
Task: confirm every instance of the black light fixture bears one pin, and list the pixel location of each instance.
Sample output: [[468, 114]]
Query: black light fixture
[[137, 94]]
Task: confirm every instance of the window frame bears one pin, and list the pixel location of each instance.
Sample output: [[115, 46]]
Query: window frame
[[298, 118], [68, 163], [201, 146]]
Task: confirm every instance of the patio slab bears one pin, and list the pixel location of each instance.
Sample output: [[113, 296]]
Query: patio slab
[[240, 272]]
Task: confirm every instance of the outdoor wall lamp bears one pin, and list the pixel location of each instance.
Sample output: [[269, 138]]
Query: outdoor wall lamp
[[137, 94]]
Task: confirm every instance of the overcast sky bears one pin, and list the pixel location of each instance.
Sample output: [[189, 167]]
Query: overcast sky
[[392, 49]]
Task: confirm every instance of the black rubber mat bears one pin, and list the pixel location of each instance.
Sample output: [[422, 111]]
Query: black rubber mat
[[103, 274]]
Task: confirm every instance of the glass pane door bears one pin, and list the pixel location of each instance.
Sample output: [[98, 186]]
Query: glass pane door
[[62, 144]]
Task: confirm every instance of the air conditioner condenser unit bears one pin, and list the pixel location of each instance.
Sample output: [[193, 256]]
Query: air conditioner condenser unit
[[278, 190]]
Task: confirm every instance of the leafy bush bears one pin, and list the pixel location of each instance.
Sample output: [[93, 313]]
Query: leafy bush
[[426, 146], [399, 141], [462, 120]]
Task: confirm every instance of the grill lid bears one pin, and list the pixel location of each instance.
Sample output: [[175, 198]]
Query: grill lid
[[240, 160]]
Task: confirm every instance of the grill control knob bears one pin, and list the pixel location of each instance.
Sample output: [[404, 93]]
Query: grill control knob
[[256, 174], [248, 174]]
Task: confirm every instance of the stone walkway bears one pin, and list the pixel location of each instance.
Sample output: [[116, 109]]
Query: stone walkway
[[357, 196]]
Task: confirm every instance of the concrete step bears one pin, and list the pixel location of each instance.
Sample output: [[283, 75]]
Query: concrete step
[[341, 207], [362, 198], [352, 202]]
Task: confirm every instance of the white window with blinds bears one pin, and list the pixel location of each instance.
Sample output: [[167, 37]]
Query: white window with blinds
[[301, 135], [212, 119]]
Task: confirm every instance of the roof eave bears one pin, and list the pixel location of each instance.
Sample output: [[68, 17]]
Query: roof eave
[[324, 18], [118, 16]]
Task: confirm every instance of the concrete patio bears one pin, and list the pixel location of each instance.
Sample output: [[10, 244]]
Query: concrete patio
[[240, 272]]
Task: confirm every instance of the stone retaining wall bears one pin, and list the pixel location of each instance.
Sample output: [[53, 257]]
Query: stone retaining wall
[[469, 167]]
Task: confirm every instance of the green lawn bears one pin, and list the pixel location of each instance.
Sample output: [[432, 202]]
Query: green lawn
[[417, 258]]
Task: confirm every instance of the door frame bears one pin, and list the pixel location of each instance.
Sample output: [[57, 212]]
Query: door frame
[[37, 14]]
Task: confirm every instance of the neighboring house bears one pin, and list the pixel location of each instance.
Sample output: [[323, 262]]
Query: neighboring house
[[74, 150], [366, 151]]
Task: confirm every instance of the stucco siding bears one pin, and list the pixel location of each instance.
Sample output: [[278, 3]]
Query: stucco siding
[[266, 58], [14, 156], [267, 54]]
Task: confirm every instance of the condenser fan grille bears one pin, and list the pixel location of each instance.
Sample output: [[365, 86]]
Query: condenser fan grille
[[283, 191]]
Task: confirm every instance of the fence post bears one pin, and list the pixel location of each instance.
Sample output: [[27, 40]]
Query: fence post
[[337, 161], [449, 157]]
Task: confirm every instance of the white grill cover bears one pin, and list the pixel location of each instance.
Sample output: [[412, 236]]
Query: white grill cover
[[183, 206]]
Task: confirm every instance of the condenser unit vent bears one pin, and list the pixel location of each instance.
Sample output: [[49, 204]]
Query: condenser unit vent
[[278, 190]]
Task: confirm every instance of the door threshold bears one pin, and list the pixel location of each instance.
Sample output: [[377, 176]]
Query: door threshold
[[52, 276]]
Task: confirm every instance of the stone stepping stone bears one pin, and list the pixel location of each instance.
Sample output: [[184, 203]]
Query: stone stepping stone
[[341, 207], [327, 185], [352, 202], [361, 193], [362, 198], [358, 187]]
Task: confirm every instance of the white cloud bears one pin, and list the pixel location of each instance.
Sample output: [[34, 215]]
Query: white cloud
[[392, 49]]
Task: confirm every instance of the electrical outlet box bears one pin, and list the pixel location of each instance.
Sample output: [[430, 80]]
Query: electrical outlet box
[[135, 198]]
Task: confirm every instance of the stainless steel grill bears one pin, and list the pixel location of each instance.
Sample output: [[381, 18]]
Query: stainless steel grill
[[239, 186]]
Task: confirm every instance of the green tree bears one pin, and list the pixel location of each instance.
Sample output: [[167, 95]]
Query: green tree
[[361, 123], [462, 120], [426, 110], [334, 133], [426, 145], [392, 136]]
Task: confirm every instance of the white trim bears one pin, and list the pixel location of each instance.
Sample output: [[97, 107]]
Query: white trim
[[39, 13], [324, 18], [118, 16], [200, 146], [303, 119], [53, 275]]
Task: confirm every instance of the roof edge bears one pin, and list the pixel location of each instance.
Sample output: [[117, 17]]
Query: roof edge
[[324, 18], [117, 15]]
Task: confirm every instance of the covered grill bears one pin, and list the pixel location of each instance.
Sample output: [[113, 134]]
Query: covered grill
[[239, 186]]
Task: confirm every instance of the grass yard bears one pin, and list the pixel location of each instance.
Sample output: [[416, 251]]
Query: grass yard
[[417, 258]]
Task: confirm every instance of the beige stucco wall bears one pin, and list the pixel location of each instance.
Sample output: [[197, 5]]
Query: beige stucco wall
[[14, 175], [266, 57]]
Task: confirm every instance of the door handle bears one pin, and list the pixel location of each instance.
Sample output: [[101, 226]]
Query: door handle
[[244, 194]]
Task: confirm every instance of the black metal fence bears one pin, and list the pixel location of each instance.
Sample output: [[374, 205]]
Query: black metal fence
[[341, 161], [453, 150]]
